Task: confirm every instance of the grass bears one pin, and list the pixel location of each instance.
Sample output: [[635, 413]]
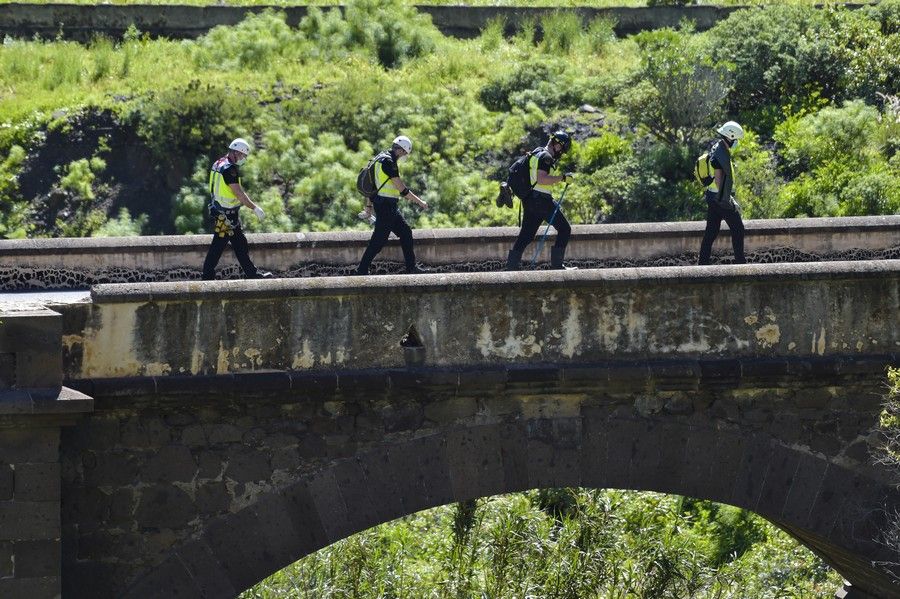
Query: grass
[[541, 3]]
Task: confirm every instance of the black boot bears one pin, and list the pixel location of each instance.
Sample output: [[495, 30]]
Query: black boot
[[417, 270], [556, 259], [514, 260]]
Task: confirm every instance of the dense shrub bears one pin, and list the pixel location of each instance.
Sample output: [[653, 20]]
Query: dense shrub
[[782, 54], [678, 92], [836, 165]]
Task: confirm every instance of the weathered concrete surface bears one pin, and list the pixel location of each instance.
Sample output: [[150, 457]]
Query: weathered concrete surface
[[81, 22], [794, 310], [202, 486], [283, 251]]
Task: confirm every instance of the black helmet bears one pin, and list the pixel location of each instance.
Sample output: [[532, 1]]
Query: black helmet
[[563, 138]]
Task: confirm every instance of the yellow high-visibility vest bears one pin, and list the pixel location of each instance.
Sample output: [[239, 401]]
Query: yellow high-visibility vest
[[219, 190]]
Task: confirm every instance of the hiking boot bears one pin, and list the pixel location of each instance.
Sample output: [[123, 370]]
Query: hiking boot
[[556, 259], [262, 274], [415, 269], [514, 260]]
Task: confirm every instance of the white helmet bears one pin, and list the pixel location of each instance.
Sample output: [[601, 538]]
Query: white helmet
[[731, 131], [404, 142], [240, 145]]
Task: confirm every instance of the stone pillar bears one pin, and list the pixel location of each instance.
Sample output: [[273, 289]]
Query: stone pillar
[[33, 407]]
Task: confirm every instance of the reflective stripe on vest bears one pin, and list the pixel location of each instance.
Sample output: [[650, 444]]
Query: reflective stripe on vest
[[219, 190], [533, 170], [381, 180]]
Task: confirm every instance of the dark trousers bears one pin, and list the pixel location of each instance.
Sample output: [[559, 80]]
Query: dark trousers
[[241, 251], [388, 220], [537, 209], [714, 217]]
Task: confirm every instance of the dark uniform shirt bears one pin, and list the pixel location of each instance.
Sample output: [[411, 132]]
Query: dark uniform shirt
[[720, 158], [226, 218]]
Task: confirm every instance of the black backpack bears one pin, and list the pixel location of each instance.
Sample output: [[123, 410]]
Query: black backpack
[[519, 178], [365, 180]]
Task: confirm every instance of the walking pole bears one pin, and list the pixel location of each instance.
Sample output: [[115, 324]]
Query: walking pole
[[540, 245]]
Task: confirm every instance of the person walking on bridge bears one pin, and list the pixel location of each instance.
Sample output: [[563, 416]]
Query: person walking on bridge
[[387, 215], [539, 206], [719, 196], [227, 195]]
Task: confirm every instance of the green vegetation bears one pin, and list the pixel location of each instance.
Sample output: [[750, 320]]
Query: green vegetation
[[562, 543], [553, 3], [815, 88]]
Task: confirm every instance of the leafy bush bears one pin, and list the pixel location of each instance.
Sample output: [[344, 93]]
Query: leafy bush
[[782, 54], [834, 159], [678, 92], [79, 176], [188, 122], [251, 44], [122, 226]]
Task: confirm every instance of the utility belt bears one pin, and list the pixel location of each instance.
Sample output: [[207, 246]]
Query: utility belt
[[216, 207]]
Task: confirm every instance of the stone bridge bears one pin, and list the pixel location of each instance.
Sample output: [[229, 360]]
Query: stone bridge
[[187, 438]]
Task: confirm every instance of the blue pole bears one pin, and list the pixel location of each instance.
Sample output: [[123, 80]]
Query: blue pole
[[540, 245]]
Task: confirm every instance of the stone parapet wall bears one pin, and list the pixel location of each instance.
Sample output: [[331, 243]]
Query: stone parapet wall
[[81, 22], [72, 263], [789, 310]]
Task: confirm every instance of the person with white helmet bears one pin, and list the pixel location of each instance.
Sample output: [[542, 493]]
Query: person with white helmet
[[720, 202], [227, 195], [390, 188]]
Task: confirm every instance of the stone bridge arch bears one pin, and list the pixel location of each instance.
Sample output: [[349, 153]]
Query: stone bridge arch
[[836, 509]]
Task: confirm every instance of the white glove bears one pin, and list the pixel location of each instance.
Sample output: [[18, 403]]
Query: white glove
[[259, 212]]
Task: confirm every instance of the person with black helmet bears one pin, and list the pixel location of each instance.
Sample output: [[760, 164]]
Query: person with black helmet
[[720, 202], [387, 215], [539, 206], [226, 198]]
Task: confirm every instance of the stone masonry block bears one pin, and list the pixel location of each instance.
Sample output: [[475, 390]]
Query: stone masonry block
[[624, 435], [379, 475], [246, 465], [408, 478], [700, 474], [173, 463], [36, 339], [730, 450], [168, 580], [476, 465], [778, 481], [450, 410], [29, 445], [237, 542], [6, 559], [804, 490], [30, 588], [513, 456], [29, 520], [7, 482], [751, 471], [206, 572], [36, 559], [431, 453], [37, 482], [164, 506], [646, 456], [307, 521], [330, 505], [593, 443], [351, 480], [673, 457]]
